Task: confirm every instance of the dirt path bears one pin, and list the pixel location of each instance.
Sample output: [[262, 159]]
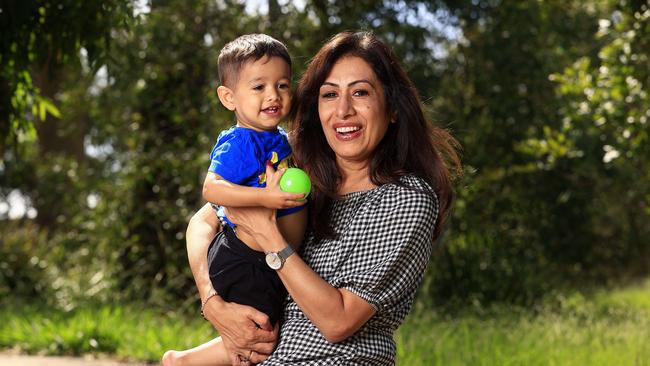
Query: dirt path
[[22, 360]]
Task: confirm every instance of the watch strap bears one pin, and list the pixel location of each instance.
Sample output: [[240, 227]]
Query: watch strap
[[286, 252]]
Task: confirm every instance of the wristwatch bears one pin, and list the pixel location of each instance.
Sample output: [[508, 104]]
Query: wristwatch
[[275, 260]]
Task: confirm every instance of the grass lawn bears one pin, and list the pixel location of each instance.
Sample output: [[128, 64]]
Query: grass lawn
[[606, 328]]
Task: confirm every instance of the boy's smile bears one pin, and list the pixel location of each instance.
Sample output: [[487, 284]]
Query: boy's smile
[[262, 95]]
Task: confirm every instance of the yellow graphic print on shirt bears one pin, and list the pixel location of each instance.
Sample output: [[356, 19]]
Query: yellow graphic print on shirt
[[284, 164]]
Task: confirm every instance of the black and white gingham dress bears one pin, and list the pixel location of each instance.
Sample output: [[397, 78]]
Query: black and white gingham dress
[[381, 253]]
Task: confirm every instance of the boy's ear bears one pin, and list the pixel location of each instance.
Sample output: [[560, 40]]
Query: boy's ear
[[227, 97]]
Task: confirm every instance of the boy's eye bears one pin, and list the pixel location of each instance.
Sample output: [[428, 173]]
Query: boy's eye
[[283, 86], [258, 87]]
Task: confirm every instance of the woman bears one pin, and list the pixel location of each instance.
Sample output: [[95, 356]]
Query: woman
[[381, 193]]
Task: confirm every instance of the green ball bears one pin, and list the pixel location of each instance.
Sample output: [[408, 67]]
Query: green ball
[[295, 180]]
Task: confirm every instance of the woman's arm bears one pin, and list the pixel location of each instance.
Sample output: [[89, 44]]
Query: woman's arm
[[237, 324], [337, 313]]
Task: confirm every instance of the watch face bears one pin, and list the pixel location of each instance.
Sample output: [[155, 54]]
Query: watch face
[[273, 260]]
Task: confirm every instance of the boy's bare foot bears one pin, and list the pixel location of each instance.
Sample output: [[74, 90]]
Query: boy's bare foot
[[172, 358]]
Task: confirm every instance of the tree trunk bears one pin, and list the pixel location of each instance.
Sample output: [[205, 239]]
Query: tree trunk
[[56, 137]]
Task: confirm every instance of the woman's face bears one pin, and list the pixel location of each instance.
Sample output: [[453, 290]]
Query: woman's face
[[352, 109]]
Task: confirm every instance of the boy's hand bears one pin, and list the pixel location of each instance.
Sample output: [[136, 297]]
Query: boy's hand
[[276, 198]]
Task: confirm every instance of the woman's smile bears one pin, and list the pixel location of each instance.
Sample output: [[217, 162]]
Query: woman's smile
[[347, 131]]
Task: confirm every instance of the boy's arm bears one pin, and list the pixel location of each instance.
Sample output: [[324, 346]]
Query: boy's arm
[[224, 193], [293, 228]]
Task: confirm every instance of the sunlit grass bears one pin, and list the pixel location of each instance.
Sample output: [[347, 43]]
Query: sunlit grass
[[608, 327], [126, 332], [630, 298], [524, 339]]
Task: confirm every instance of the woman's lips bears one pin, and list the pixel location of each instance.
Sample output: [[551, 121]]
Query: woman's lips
[[347, 132]]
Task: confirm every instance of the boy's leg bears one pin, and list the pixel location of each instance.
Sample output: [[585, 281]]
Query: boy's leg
[[212, 353]]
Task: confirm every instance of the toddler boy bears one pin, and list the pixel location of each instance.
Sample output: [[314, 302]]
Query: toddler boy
[[255, 83]]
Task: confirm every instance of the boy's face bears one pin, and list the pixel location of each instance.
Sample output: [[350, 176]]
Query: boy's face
[[262, 95]]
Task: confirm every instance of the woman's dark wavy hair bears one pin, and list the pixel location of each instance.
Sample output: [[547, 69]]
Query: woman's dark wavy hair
[[412, 145]]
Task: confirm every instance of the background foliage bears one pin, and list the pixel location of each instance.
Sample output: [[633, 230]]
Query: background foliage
[[108, 115]]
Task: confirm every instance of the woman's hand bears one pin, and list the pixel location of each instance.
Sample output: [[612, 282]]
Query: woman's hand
[[245, 331]]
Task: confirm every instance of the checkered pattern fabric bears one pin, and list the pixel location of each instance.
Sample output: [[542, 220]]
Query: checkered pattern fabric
[[380, 254]]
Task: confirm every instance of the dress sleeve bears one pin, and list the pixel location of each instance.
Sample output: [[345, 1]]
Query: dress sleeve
[[234, 158], [393, 249]]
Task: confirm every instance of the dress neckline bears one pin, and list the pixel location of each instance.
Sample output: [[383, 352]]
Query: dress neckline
[[358, 193]]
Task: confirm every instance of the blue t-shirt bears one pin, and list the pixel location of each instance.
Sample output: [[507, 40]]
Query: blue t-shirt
[[240, 157]]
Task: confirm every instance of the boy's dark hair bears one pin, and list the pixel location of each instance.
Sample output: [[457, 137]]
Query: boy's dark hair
[[249, 47]]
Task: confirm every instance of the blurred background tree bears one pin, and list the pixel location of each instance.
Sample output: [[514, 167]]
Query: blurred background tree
[[106, 141], [544, 204]]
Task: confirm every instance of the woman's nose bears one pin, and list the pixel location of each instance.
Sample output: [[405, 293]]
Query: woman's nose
[[344, 107]]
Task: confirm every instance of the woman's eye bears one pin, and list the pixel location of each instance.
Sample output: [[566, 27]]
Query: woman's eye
[[328, 95], [361, 92]]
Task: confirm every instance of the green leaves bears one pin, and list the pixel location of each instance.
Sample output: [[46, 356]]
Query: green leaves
[[548, 101], [48, 34], [45, 106]]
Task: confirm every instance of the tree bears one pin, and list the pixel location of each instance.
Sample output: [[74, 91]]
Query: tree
[[38, 39], [604, 135], [40, 44], [535, 210]]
